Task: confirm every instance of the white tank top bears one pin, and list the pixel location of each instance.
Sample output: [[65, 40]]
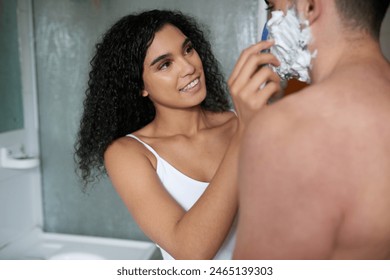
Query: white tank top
[[186, 191]]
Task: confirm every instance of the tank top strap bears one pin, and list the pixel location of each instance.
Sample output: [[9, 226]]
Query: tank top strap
[[146, 145]]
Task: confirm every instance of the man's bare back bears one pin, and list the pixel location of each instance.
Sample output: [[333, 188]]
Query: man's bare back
[[315, 168]]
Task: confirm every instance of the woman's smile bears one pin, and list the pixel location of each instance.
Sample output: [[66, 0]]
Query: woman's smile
[[193, 86]]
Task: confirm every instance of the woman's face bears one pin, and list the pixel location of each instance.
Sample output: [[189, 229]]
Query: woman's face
[[173, 72]]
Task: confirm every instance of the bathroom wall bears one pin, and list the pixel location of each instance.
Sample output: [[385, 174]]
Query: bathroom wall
[[385, 35], [66, 32]]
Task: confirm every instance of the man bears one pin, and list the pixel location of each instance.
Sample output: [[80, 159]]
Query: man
[[314, 173]]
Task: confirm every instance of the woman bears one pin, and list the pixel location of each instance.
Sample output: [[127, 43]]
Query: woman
[[158, 120]]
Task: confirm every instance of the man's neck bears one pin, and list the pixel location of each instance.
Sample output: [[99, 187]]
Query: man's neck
[[333, 57]]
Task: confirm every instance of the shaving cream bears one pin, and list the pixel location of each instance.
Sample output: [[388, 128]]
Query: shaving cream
[[291, 36]]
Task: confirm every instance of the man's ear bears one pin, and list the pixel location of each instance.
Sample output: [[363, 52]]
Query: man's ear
[[311, 9]]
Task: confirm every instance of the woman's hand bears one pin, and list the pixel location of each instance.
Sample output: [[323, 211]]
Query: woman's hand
[[252, 82]]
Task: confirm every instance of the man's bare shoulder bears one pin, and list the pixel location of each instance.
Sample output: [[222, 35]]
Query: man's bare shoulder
[[327, 124], [330, 150], [293, 110], [336, 102]]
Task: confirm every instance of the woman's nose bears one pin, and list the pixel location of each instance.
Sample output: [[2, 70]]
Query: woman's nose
[[186, 67]]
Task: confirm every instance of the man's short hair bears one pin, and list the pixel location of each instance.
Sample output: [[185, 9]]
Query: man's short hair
[[366, 15]]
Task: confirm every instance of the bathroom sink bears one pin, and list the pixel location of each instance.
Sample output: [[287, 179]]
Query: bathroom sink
[[54, 246]]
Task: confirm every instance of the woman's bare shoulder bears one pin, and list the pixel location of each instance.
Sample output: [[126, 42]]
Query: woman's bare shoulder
[[124, 144], [127, 149]]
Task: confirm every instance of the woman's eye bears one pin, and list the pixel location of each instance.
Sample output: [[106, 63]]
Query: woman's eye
[[189, 49], [164, 65]]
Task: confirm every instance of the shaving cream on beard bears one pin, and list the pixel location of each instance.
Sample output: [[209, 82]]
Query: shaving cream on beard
[[291, 36]]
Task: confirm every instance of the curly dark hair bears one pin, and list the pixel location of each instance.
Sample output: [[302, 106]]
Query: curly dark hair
[[113, 105]]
